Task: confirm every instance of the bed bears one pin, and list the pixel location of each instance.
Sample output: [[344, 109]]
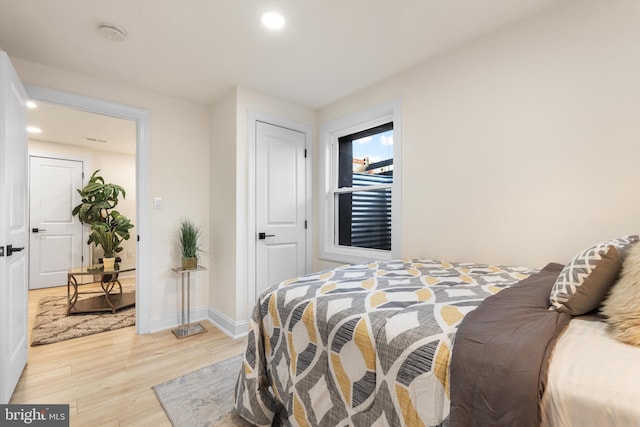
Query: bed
[[373, 345]]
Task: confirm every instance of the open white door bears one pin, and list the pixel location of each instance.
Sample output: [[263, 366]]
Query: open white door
[[280, 204], [13, 229], [56, 236]]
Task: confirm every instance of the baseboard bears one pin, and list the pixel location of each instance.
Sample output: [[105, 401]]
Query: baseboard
[[230, 327], [234, 329], [172, 321]]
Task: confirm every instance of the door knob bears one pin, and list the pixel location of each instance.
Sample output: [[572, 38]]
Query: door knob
[[37, 230], [263, 236], [11, 250]]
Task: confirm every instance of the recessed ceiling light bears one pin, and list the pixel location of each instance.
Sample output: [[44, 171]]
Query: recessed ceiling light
[[33, 129], [112, 32], [273, 20], [31, 104]]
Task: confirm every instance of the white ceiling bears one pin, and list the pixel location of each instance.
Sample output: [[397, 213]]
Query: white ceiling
[[199, 49], [89, 130]]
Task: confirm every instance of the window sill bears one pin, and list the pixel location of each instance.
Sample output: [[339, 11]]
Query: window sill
[[354, 255]]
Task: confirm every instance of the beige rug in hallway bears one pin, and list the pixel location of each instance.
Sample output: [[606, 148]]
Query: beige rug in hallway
[[53, 325]]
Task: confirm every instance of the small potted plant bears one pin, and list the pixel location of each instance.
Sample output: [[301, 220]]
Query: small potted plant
[[108, 227], [189, 241]]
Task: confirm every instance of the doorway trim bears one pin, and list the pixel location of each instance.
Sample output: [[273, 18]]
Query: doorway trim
[[141, 117], [253, 118]]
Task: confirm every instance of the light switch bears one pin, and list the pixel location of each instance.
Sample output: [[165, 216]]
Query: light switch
[[157, 203]]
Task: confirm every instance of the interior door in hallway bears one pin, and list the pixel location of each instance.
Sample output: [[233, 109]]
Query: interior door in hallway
[[280, 204], [56, 236]]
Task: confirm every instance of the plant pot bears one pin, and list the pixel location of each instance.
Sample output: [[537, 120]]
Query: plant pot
[[190, 263], [118, 259], [107, 277], [108, 263]]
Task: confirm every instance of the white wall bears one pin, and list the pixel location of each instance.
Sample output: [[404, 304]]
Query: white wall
[[44, 148], [521, 147], [223, 209], [179, 173]]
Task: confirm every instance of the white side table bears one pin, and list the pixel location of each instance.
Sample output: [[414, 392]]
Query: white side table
[[186, 328]]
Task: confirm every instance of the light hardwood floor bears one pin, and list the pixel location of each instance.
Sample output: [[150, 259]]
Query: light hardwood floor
[[106, 378]]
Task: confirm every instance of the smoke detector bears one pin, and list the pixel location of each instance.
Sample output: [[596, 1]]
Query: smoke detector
[[112, 32]]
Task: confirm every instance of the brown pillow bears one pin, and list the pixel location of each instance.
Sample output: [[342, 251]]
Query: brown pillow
[[622, 305], [590, 293]]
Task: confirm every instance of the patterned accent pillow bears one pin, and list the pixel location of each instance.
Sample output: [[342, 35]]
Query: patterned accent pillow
[[622, 306], [586, 279]]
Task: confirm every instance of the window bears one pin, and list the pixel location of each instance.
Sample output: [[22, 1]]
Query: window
[[365, 178], [360, 206]]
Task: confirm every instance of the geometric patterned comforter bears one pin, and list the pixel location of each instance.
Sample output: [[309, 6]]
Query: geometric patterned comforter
[[361, 345]]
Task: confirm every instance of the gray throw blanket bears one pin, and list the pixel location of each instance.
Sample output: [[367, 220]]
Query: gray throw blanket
[[501, 355]]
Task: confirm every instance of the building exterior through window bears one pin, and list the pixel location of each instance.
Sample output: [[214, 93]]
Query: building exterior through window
[[365, 180]]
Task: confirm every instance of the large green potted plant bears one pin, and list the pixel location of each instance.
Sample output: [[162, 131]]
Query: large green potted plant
[[97, 209], [189, 241]]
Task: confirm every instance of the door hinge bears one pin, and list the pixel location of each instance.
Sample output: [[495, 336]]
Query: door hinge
[[305, 153], [305, 224], [1, 250], [82, 259]]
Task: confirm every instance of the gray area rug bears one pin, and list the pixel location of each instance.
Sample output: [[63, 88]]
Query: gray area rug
[[52, 324], [203, 398]]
